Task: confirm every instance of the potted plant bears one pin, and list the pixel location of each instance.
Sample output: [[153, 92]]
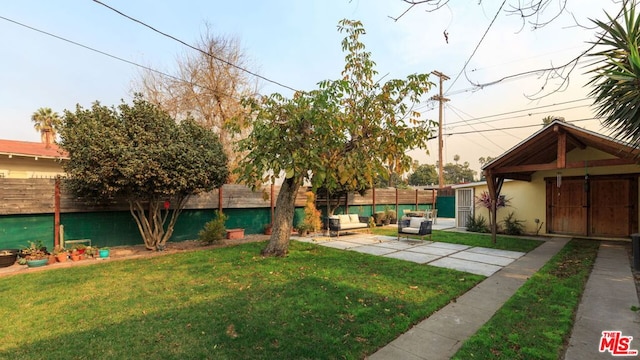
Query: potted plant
[[304, 228], [60, 253], [35, 255], [8, 257], [81, 248], [75, 255], [390, 216], [104, 252]]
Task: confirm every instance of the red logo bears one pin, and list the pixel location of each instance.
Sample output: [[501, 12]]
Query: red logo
[[616, 344]]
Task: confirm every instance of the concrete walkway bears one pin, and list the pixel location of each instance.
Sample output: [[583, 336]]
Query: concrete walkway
[[606, 306], [441, 335]]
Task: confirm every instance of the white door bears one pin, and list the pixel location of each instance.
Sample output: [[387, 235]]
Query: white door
[[464, 206]]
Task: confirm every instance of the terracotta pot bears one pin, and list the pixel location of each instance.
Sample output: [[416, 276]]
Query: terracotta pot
[[75, 257], [52, 260], [61, 257]]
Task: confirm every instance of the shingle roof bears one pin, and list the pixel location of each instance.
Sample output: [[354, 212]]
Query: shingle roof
[[27, 148]]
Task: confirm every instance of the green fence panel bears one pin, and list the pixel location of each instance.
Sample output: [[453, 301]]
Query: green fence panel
[[17, 230], [253, 221], [110, 228], [446, 206]]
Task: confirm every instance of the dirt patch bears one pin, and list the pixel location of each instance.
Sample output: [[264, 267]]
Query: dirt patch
[[136, 251]]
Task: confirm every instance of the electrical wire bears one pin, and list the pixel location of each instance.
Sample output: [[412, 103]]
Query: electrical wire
[[115, 57], [477, 46], [195, 48], [511, 128]]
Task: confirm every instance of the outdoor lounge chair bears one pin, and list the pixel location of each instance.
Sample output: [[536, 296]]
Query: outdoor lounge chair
[[415, 225]]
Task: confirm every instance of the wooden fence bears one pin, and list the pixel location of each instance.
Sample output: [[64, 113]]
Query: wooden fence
[[38, 196]]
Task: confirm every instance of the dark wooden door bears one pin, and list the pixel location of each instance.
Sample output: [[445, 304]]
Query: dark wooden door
[[567, 207], [602, 206], [610, 207]]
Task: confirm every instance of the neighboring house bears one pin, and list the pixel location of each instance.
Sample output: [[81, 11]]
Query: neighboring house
[[566, 180], [24, 159]]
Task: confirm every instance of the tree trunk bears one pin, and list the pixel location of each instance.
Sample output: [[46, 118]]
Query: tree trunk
[[283, 222]]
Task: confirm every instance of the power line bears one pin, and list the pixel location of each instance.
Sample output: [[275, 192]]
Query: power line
[[519, 111], [481, 134], [477, 46], [525, 115], [115, 57], [195, 48], [511, 128]]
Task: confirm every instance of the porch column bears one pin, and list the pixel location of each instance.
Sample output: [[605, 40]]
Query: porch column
[[494, 184]]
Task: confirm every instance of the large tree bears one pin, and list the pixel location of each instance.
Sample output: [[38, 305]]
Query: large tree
[[424, 174], [338, 137], [207, 85], [616, 80], [458, 173], [140, 154], [47, 122]]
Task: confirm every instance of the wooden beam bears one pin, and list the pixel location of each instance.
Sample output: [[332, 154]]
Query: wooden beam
[[493, 195], [571, 165], [561, 159]]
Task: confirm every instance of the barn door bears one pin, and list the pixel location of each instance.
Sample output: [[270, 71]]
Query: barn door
[[464, 206], [567, 206], [612, 206]]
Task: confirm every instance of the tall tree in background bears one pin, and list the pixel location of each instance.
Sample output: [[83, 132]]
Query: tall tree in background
[[340, 136], [458, 173], [617, 80], [207, 86], [48, 123], [424, 174], [143, 157]]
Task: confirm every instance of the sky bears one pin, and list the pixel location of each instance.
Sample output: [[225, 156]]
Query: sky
[[296, 43]]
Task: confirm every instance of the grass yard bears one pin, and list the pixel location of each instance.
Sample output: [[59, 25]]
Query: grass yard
[[536, 322], [470, 239], [226, 303]]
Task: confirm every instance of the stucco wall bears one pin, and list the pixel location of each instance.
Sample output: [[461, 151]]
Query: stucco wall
[[528, 199], [19, 167]]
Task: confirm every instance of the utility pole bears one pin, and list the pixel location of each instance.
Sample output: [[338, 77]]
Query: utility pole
[[441, 99]]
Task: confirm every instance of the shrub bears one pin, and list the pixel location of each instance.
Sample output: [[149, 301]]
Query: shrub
[[478, 224], [513, 226], [214, 230]]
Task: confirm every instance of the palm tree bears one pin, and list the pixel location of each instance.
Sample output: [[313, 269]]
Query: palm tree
[[47, 122], [617, 80]]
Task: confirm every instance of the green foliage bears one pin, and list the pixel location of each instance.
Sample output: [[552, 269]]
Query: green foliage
[[214, 230], [615, 81], [477, 224], [513, 226], [340, 136], [140, 154], [458, 173], [311, 220], [425, 174], [46, 121]]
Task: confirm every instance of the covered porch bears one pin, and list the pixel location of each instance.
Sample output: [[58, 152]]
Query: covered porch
[[580, 183]]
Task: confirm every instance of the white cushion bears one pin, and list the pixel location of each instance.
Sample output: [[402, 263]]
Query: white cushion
[[335, 217], [343, 219], [415, 222], [354, 218], [411, 230]]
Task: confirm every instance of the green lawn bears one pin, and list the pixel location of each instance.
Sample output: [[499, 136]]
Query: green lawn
[[227, 303], [471, 239], [536, 322]]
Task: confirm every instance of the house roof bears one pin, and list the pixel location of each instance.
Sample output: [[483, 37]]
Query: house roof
[[31, 149], [547, 148]]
